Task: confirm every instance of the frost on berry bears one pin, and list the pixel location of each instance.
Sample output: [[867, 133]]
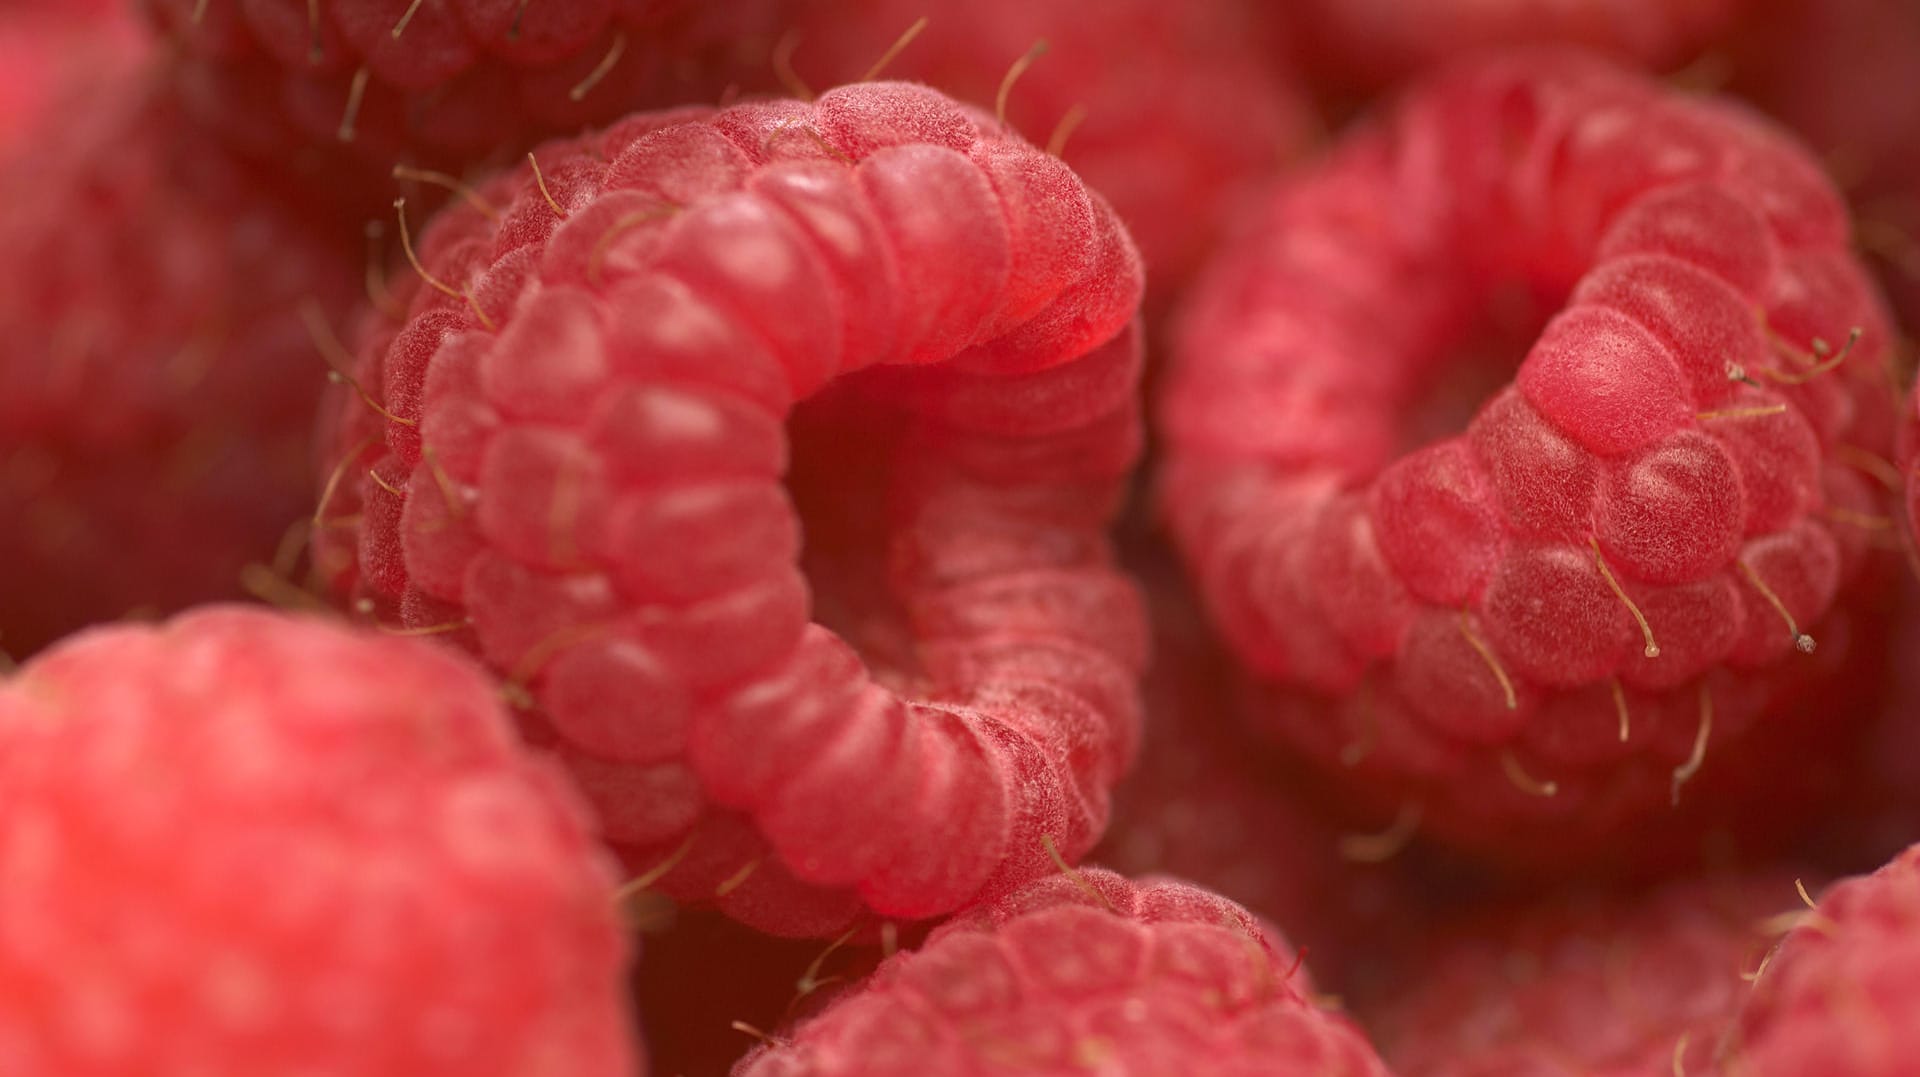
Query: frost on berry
[[1644, 530], [1082, 971], [1840, 993], [246, 842], [157, 379], [1605, 984], [767, 455]]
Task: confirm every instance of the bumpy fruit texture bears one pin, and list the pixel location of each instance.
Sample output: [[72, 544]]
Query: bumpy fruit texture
[[581, 478], [1604, 985], [244, 842], [1172, 111], [1079, 973], [341, 90], [1541, 629], [1841, 994], [1373, 43], [156, 381]]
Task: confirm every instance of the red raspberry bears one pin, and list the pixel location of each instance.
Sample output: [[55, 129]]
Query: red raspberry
[[1544, 627], [1373, 43], [1079, 973], [1135, 96], [156, 382], [1841, 994], [444, 83], [1594, 985], [583, 465], [249, 843]]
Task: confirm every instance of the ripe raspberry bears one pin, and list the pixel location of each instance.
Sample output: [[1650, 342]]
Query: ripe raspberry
[[1841, 994], [583, 466], [1595, 985], [324, 84], [249, 843], [1540, 629], [1136, 97], [1079, 973], [156, 383], [1374, 43]]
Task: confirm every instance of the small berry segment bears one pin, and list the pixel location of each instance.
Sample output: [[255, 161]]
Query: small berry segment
[[1596, 985], [243, 842], [576, 468], [156, 381], [1566, 611], [1841, 993], [1082, 972]]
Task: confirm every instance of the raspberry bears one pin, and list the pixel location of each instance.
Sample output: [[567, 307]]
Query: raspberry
[[1134, 97], [583, 468], [244, 842], [1078, 973], [330, 84], [1372, 43], [1597, 984], [1841, 993], [1543, 628], [156, 384]]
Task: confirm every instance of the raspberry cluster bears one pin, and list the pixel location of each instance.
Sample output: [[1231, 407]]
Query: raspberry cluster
[[1567, 610], [576, 463]]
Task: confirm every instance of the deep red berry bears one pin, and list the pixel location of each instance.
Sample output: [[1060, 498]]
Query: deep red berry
[[1841, 994], [244, 842], [579, 472], [156, 379], [1543, 627], [1081, 972]]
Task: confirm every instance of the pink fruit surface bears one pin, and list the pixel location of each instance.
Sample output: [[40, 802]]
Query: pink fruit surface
[[1544, 627], [1077, 973], [244, 842], [1596, 984], [1841, 993], [156, 380], [1170, 111], [46, 50], [339, 91], [576, 469]]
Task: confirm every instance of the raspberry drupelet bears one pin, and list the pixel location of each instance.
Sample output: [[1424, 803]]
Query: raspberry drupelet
[[569, 456], [1537, 631]]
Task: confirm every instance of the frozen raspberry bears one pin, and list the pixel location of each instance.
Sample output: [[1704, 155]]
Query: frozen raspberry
[[1841, 994], [1373, 43], [244, 842], [1602, 985], [1541, 630], [1080, 973], [576, 470], [1170, 111], [445, 84], [156, 379]]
